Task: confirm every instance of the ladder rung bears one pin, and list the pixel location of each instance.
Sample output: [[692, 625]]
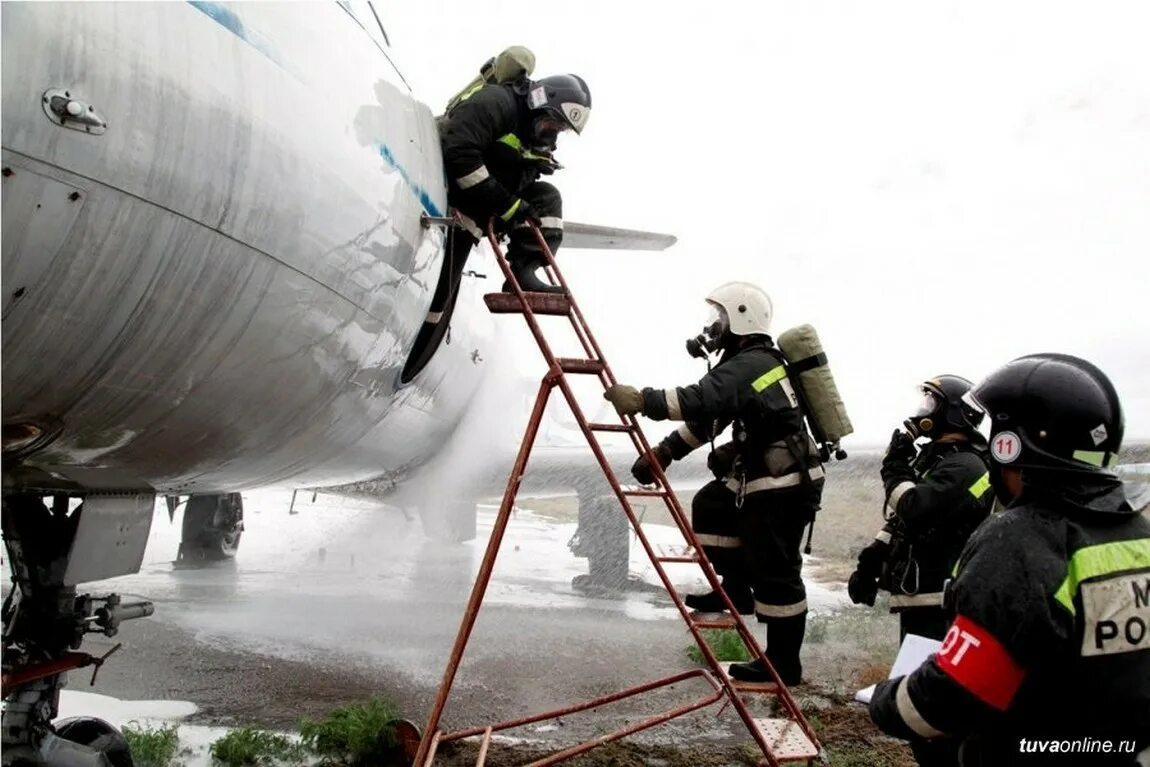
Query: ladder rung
[[675, 552], [646, 493], [609, 427], [713, 620], [540, 303], [787, 740], [572, 365], [755, 687]]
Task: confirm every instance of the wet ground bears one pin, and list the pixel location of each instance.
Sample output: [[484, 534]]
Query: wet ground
[[346, 599]]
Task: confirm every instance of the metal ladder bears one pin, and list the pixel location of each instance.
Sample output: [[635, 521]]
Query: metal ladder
[[785, 738]]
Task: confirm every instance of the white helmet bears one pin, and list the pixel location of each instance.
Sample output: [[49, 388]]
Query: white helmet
[[745, 308]]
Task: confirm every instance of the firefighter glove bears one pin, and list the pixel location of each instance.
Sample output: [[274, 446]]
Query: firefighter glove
[[901, 448], [873, 557], [627, 399], [721, 461], [862, 588], [641, 469]]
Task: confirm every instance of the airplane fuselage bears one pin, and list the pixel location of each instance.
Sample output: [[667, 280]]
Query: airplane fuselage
[[219, 288]]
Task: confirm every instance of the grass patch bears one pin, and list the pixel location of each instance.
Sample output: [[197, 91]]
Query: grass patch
[[152, 747], [248, 746], [359, 734], [726, 644]]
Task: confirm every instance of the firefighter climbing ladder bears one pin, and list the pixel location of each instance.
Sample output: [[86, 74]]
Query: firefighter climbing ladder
[[786, 737]]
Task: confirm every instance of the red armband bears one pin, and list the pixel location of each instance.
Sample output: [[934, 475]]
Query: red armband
[[971, 656]]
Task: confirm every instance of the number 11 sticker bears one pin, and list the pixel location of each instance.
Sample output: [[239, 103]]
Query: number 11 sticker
[[1006, 447]]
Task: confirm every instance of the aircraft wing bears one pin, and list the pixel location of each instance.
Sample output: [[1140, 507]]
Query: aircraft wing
[[592, 237]]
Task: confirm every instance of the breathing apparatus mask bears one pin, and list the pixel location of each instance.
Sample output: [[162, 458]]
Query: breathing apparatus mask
[[711, 339], [925, 417]]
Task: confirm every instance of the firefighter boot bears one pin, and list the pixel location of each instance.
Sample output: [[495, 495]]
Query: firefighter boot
[[524, 270], [784, 641], [712, 601]]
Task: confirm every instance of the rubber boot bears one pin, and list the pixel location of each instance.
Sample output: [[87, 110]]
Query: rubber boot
[[712, 601], [784, 641], [524, 271]]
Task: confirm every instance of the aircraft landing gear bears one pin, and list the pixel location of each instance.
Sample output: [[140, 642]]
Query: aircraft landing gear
[[51, 547], [212, 528]]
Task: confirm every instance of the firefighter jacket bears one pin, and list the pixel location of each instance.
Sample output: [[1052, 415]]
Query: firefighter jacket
[[485, 154], [933, 505], [1050, 632], [750, 390]]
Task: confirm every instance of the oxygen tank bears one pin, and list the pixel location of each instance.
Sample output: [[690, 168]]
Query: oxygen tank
[[815, 385], [510, 65]]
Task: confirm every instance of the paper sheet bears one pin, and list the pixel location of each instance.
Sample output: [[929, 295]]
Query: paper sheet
[[915, 649]]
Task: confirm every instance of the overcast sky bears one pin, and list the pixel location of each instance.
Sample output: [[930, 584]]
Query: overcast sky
[[936, 187]]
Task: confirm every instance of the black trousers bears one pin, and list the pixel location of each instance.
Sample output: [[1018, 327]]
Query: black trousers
[[759, 544], [522, 249]]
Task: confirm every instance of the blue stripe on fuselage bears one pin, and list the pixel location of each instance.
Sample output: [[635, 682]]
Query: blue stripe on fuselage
[[424, 198], [228, 19]]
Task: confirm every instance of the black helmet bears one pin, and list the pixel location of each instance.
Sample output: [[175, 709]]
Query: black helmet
[[945, 408], [1052, 411], [564, 98]]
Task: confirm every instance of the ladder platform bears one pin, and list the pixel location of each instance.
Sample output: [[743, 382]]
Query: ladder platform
[[787, 740], [541, 303], [574, 365]]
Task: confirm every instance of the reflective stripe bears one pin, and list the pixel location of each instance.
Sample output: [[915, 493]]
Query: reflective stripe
[[773, 483], [551, 222], [719, 541], [513, 141], [1103, 559], [434, 317], [477, 176], [979, 488], [511, 211], [768, 378], [688, 436], [910, 714], [882, 536], [916, 600], [469, 93], [673, 411], [897, 494], [780, 611]]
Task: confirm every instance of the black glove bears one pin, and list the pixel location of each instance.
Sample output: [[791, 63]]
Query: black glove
[[901, 448], [872, 558], [641, 470], [721, 461], [862, 588]]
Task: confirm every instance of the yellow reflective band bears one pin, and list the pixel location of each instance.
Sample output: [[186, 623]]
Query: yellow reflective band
[[768, 378], [511, 211], [512, 141], [1103, 559], [979, 488], [471, 91]]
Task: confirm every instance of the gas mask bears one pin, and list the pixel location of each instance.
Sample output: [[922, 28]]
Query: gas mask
[[711, 339], [925, 418], [545, 134]]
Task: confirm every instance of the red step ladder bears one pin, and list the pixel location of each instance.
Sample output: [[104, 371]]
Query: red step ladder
[[784, 738]]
